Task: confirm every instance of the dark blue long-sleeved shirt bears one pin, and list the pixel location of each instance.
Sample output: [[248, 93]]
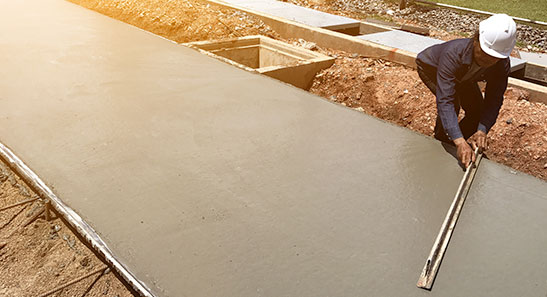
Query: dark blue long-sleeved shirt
[[452, 60]]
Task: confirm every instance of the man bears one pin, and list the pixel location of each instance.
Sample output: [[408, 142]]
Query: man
[[451, 71]]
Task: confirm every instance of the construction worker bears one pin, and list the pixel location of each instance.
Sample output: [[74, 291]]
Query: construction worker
[[451, 71]]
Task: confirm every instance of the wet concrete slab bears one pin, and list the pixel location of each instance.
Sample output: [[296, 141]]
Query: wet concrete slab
[[296, 13], [415, 43], [207, 180], [500, 236]]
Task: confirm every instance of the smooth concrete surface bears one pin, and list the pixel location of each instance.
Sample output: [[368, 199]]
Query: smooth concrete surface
[[416, 43], [537, 58], [500, 236], [207, 180], [297, 13], [536, 67]]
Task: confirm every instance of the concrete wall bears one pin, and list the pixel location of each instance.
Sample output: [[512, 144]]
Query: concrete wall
[[247, 56]]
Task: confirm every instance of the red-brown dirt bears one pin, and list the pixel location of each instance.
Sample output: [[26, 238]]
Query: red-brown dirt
[[181, 20]]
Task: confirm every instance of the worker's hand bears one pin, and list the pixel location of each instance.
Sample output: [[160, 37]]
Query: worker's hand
[[478, 140], [465, 153]]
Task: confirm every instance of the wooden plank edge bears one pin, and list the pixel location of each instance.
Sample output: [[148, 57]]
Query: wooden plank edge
[[433, 262]]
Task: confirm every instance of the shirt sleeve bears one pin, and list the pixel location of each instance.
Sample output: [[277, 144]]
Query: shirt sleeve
[[446, 94], [496, 84]]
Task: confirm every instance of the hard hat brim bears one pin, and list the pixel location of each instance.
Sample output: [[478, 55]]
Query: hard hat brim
[[492, 52]]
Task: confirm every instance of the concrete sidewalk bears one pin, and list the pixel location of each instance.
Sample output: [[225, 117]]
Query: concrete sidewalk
[[297, 13], [207, 180]]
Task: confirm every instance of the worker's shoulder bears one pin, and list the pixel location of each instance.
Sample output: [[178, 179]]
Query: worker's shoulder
[[460, 50], [453, 50], [454, 46], [458, 44]]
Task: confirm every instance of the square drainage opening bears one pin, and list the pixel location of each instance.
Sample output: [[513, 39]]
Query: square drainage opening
[[274, 58], [257, 56]]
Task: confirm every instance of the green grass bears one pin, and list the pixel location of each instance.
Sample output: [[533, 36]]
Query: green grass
[[529, 9]]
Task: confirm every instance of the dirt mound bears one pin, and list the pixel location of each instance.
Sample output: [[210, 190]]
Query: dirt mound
[[182, 20]]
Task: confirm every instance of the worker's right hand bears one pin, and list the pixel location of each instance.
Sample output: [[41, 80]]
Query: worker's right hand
[[465, 153]]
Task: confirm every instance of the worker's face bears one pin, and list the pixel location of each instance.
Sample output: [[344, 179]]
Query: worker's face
[[482, 58]]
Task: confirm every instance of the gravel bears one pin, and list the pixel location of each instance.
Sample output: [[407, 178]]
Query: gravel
[[439, 19]]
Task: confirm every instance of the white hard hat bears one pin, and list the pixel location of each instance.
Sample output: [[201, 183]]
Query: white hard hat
[[497, 35]]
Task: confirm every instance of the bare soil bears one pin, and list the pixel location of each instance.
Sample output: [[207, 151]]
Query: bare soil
[[181, 20], [44, 254]]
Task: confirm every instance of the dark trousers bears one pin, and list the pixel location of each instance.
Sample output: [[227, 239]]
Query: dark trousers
[[468, 96]]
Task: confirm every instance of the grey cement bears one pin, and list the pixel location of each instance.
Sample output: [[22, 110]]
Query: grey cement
[[207, 180], [295, 13], [540, 59], [415, 43], [500, 236]]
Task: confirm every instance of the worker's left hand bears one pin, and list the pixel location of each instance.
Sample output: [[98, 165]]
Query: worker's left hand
[[478, 140]]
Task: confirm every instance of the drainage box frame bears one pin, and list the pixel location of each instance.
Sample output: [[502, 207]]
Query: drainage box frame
[[291, 64]]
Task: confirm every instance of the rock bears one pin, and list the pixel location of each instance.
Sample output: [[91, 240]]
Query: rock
[[545, 166], [307, 44], [23, 190], [509, 121], [85, 261], [359, 109], [69, 241], [390, 12], [354, 55], [3, 244]]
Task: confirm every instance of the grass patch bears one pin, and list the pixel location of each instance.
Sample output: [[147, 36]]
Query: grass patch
[[529, 9]]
